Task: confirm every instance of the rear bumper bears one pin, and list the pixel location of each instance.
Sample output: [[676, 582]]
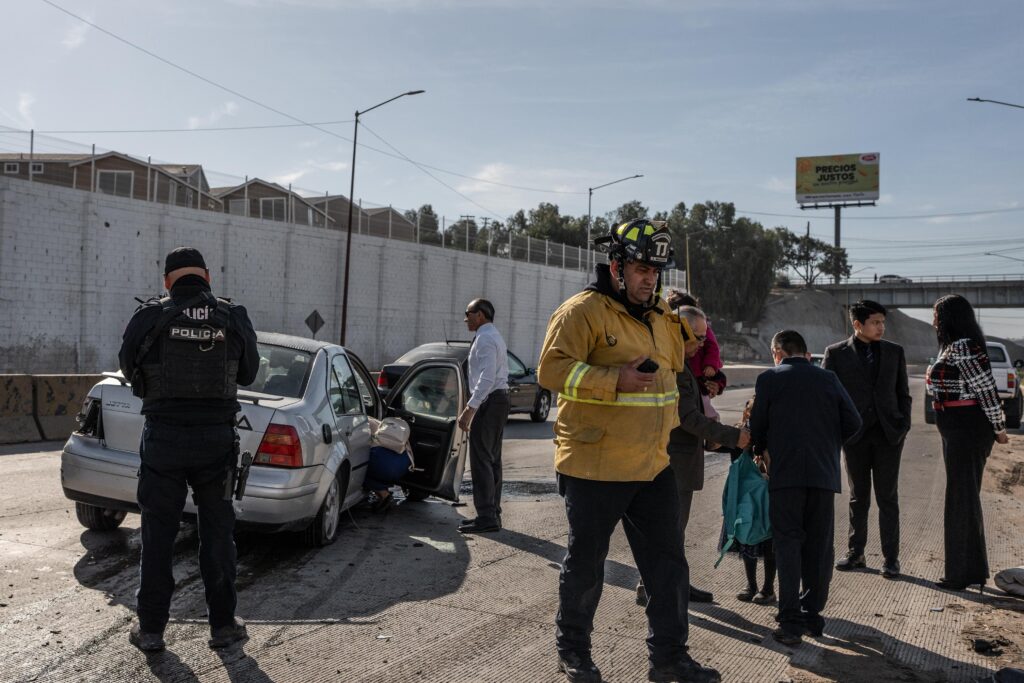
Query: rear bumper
[[278, 498]]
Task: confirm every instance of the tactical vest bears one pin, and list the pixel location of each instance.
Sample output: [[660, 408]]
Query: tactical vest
[[194, 359]]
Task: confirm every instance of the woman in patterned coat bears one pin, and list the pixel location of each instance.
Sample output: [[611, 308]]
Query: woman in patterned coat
[[970, 418]]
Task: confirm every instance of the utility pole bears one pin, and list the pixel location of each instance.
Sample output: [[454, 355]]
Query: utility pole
[[465, 220], [487, 220]]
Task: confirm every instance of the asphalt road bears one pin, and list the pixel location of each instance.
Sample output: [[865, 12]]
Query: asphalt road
[[404, 597]]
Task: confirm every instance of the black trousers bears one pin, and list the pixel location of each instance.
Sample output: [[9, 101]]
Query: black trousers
[[174, 457], [873, 458], [803, 533], [485, 435], [967, 440], [649, 511]]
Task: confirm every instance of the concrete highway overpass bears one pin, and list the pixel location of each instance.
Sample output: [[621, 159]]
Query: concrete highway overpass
[[984, 291]]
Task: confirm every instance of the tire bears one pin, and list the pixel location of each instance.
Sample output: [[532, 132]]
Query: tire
[[929, 414], [97, 518], [415, 495], [1012, 410], [542, 408], [324, 528]]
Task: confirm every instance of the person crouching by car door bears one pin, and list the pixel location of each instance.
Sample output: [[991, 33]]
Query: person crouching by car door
[[485, 415]]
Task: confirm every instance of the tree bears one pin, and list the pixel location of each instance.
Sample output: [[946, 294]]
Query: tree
[[629, 211], [811, 258], [459, 231], [426, 220], [733, 260]]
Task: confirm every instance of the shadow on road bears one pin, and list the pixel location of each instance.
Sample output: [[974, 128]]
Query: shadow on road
[[863, 654], [282, 582]]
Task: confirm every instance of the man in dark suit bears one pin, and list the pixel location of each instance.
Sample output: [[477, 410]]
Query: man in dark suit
[[874, 372], [686, 442], [801, 416]]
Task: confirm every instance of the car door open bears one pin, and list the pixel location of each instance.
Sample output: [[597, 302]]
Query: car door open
[[430, 396]]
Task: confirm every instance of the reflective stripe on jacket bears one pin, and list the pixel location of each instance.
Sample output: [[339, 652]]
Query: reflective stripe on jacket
[[602, 434]]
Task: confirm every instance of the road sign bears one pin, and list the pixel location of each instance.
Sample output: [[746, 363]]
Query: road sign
[[314, 322]]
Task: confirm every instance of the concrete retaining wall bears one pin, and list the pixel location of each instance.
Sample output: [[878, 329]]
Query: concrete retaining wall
[[41, 407], [71, 262]]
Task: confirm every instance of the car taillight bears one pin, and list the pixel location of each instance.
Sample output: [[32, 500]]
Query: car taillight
[[280, 447], [1011, 380], [382, 380]]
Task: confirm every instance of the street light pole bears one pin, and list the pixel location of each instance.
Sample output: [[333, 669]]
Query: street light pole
[[351, 201], [590, 197], [1005, 104]]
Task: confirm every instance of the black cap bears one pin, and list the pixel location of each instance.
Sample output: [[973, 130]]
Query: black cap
[[183, 257]]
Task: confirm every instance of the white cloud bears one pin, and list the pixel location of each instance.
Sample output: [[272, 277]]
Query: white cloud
[[564, 186], [25, 102], [777, 184], [226, 109], [286, 179], [75, 36], [331, 165]]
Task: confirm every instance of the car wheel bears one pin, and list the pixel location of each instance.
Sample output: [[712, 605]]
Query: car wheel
[[929, 414], [415, 495], [97, 518], [324, 529], [1013, 409], [543, 407]]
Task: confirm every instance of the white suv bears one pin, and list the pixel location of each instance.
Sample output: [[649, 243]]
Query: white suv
[[1007, 376]]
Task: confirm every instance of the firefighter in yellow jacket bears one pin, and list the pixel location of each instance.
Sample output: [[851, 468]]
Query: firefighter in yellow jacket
[[612, 353]]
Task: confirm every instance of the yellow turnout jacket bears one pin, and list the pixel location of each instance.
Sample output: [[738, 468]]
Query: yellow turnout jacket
[[602, 434]]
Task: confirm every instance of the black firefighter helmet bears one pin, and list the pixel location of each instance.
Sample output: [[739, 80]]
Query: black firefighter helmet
[[639, 240]]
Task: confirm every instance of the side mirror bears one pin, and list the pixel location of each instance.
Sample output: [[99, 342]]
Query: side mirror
[[1019, 363], [531, 371]]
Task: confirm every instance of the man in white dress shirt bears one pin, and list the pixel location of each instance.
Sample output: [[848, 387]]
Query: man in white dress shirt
[[485, 415]]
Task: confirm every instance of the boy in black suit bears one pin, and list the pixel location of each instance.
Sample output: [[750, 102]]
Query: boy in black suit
[[802, 415], [874, 372]]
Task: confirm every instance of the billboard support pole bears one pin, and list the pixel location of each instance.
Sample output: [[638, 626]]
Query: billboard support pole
[[836, 277]]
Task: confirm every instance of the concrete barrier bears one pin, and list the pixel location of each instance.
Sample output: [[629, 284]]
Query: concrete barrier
[[743, 375], [58, 400], [17, 417]]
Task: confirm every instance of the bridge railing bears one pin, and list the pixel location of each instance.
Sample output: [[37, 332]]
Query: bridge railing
[[922, 279]]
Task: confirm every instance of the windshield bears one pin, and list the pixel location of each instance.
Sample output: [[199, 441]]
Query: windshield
[[283, 371], [996, 354]]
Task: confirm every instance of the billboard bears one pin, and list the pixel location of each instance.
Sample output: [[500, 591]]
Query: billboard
[[837, 178]]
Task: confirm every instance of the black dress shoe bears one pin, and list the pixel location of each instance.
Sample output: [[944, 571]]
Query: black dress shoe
[[947, 585], [144, 640], [851, 561], [683, 669], [578, 668], [814, 625], [891, 569], [697, 595], [223, 636], [479, 526], [785, 637]]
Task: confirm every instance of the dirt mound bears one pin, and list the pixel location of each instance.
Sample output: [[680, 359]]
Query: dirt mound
[[822, 321]]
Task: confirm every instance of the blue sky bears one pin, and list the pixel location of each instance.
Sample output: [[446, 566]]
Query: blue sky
[[709, 100]]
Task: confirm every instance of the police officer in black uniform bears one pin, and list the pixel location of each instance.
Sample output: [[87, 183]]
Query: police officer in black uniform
[[185, 356]]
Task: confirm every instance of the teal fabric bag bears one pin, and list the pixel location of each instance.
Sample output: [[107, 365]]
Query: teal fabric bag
[[745, 505]]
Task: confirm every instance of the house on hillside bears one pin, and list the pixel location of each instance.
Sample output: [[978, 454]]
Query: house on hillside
[[336, 207], [116, 174], [270, 201], [387, 222]]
